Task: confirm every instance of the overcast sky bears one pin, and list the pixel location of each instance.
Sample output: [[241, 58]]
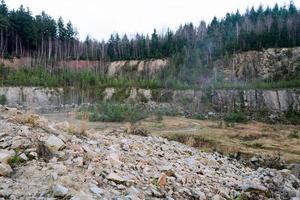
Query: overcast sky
[[100, 18]]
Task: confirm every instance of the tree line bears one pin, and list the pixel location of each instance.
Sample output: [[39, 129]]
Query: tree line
[[42, 37]]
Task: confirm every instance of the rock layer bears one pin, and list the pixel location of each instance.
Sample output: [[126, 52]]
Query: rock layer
[[269, 64], [272, 101]]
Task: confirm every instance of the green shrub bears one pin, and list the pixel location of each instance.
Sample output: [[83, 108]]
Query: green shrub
[[3, 100], [198, 117], [294, 135], [15, 161], [235, 117], [292, 117], [117, 112], [166, 111]]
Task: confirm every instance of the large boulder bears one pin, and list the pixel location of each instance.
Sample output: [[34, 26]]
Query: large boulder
[[5, 169], [5, 156], [54, 143]]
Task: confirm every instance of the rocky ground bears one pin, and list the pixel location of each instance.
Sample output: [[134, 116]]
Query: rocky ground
[[45, 160]]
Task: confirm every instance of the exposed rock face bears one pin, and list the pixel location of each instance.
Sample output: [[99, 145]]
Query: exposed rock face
[[141, 67], [270, 64], [32, 96], [138, 67], [150, 168], [257, 100], [271, 101]]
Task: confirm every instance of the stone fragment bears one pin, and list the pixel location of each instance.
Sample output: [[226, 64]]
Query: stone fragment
[[23, 157], [217, 197], [33, 155], [5, 169], [96, 190], [116, 178], [253, 186], [54, 143], [5, 156], [60, 190], [162, 180]]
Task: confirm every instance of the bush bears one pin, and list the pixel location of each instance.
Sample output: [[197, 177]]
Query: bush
[[235, 117], [3, 100], [294, 135], [292, 117], [117, 112], [15, 161]]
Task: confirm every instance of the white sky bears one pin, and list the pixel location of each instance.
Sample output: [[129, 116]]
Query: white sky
[[100, 18]]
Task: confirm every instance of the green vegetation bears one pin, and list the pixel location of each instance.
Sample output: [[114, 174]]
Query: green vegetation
[[235, 32], [294, 135], [15, 161], [80, 79], [116, 112], [235, 117], [3, 100], [292, 117], [259, 85], [124, 112]]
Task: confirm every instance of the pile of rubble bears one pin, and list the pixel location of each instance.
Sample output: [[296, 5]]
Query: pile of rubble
[[44, 160]]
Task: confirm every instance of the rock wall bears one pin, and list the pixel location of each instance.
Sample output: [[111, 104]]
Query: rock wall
[[139, 67], [272, 101], [257, 100], [270, 64]]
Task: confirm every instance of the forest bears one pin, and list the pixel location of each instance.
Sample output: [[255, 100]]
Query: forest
[[23, 34], [191, 48]]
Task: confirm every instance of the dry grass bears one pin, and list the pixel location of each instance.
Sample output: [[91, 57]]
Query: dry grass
[[84, 123], [250, 139], [29, 119]]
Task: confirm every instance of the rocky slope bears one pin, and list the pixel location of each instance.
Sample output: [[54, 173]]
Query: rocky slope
[[44, 160], [269, 64]]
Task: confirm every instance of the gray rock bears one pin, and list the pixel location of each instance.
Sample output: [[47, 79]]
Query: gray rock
[[5, 193], [217, 197], [6, 155], [54, 143], [23, 157], [116, 178], [198, 194], [96, 190], [252, 186], [254, 159], [60, 191], [132, 191], [33, 155], [5, 169]]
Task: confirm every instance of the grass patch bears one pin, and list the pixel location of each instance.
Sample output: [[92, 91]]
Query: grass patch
[[15, 161], [195, 141]]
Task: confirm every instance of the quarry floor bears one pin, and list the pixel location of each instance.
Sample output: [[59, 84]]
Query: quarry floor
[[249, 139]]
